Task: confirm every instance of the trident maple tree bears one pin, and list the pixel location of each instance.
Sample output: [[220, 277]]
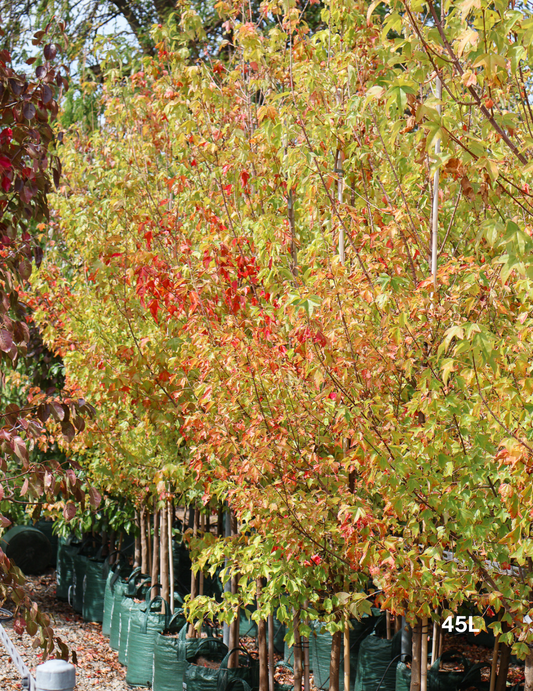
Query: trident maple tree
[[267, 303]]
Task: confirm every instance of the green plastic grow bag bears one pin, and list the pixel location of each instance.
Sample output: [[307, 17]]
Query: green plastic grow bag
[[121, 587], [28, 547], [64, 568], [145, 624], [168, 668], [441, 680], [127, 606], [248, 671], [376, 663], [93, 591], [109, 599], [201, 678]]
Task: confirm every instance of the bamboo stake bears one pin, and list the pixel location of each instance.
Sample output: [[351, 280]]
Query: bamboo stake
[[155, 556], [435, 641], [340, 194], [298, 669], [424, 656], [435, 207], [262, 642], [137, 550], [194, 580], [170, 521], [144, 542], [305, 654], [164, 555]]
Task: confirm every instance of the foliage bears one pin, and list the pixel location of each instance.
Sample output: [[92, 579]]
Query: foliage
[[369, 424]]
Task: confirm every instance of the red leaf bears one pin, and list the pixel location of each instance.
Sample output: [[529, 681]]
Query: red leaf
[[6, 340], [154, 308], [5, 163], [69, 511], [244, 178], [94, 497]]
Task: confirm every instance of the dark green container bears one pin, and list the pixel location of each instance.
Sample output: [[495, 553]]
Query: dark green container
[[199, 678], [377, 662], [168, 668], [121, 587], [443, 680], [64, 568], [109, 600], [145, 624], [248, 671], [47, 527], [93, 591], [127, 606], [28, 548]]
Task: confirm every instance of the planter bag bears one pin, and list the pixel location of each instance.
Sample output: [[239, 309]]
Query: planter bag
[[75, 595], [168, 668], [64, 568], [376, 663], [198, 677], [145, 624], [47, 527], [187, 649], [320, 652], [445, 681], [28, 547], [109, 598], [248, 671], [93, 591], [121, 586], [127, 606], [277, 685]]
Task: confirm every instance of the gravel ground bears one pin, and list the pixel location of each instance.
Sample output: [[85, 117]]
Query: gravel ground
[[97, 666]]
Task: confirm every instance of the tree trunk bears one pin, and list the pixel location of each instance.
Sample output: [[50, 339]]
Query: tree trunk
[[415, 665], [234, 627], [271, 653], [164, 560], [335, 661], [494, 666], [113, 558], [505, 656], [149, 538], [528, 672], [155, 556], [305, 654], [298, 667], [137, 553], [262, 643], [347, 654], [144, 542]]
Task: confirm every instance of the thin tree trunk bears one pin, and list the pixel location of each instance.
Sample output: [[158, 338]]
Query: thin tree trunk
[[112, 546], [505, 656], [528, 671], [155, 556], [220, 522], [201, 574], [234, 627], [149, 534], [335, 661], [415, 665], [494, 666], [305, 654], [137, 550], [170, 522], [164, 560], [347, 653], [388, 626], [144, 542], [298, 667], [397, 623], [424, 656], [271, 653], [262, 643]]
